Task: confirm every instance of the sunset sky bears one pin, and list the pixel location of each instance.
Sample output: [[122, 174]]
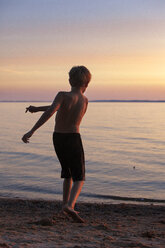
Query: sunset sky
[[122, 42]]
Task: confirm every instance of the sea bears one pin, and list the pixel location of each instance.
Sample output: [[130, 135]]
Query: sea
[[124, 144]]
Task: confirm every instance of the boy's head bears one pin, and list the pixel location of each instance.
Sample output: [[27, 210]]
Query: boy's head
[[79, 76]]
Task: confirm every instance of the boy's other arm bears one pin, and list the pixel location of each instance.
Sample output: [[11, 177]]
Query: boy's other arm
[[86, 105], [45, 116], [33, 109]]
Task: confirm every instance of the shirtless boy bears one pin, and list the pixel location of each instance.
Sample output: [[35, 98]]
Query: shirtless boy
[[71, 107]]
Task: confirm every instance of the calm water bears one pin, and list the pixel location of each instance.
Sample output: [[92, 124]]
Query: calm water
[[124, 145]]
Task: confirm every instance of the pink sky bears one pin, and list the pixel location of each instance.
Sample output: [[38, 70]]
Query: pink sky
[[121, 42]]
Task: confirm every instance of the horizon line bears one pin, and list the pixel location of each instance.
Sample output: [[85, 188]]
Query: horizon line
[[101, 100]]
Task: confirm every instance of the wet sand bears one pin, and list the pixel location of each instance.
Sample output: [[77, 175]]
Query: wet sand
[[39, 223]]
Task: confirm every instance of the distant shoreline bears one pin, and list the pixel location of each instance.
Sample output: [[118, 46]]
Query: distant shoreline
[[127, 101], [97, 101]]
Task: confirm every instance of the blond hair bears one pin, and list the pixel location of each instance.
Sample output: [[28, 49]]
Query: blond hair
[[79, 76]]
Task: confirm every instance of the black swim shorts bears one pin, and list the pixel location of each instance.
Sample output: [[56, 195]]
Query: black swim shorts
[[69, 150]]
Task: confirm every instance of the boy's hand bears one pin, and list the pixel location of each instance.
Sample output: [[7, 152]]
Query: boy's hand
[[27, 136], [31, 109]]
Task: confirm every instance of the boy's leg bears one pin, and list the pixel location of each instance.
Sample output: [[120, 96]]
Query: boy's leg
[[69, 207], [67, 185], [74, 194]]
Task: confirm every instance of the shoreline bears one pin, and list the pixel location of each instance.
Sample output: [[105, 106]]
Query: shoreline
[[40, 223], [97, 101]]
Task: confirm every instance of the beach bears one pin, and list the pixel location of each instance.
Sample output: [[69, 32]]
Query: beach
[[40, 223]]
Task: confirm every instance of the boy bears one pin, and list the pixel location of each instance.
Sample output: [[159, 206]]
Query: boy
[[71, 107]]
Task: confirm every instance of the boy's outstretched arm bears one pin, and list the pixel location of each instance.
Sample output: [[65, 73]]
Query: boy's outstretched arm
[[45, 116], [33, 109]]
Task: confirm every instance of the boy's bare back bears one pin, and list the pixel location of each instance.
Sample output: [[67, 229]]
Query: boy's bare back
[[72, 109], [70, 106]]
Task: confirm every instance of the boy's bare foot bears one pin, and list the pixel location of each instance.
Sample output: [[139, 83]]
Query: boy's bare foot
[[71, 212]]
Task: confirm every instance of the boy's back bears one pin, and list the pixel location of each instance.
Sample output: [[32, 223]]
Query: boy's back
[[72, 109]]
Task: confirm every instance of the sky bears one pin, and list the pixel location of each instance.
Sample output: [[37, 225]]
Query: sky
[[121, 42]]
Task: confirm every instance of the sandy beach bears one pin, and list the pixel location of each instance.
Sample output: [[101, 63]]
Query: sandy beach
[[39, 223]]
